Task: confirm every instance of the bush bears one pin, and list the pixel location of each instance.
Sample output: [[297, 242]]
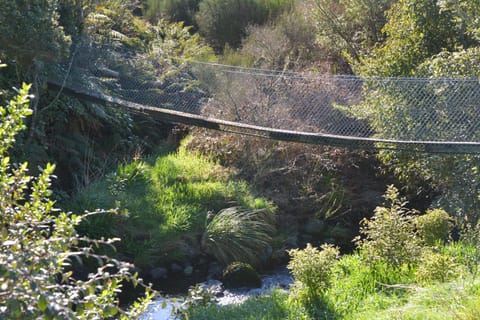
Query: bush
[[436, 267], [434, 225], [38, 243], [238, 234], [390, 236], [174, 10], [313, 269], [225, 21], [287, 43]]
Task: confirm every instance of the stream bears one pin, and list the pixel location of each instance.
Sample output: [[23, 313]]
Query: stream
[[161, 308]]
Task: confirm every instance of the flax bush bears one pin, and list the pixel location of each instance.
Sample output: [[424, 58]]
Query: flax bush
[[38, 243]]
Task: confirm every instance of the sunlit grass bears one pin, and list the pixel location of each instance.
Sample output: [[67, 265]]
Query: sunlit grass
[[359, 292], [167, 199]]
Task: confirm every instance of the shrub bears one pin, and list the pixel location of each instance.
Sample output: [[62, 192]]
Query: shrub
[[390, 236], [38, 243], [434, 225], [287, 43], [436, 267], [313, 269], [238, 234], [225, 21], [175, 10]]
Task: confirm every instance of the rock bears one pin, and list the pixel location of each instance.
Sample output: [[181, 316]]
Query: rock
[[214, 271], [176, 268], [279, 257], [159, 273], [314, 227], [188, 271], [241, 275]]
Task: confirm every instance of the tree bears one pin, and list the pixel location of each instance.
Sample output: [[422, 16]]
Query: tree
[[416, 30], [428, 39], [38, 244], [349, 27], [30, 31]]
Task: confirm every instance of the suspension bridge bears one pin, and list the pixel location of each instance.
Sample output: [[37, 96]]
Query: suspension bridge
[[433, 115]]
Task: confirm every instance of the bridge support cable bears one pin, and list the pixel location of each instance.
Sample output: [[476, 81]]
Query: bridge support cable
[[270, 133], [413, 114]]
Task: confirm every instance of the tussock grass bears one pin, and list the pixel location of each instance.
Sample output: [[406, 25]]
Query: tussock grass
[[238, 234]]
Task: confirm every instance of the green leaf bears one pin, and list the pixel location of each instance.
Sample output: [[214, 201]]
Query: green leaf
[[42, 303]]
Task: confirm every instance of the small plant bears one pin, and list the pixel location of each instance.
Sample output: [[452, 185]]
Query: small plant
[[390, 236], [125, 175], [238, 234], [435, 266], [313, 269], [434, 225], [199, 296], [470, 236]]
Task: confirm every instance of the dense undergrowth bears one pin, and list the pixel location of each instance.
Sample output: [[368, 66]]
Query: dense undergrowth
[[169, 202]]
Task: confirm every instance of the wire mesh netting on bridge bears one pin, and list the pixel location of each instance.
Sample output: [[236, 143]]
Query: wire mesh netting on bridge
[[433, 115]]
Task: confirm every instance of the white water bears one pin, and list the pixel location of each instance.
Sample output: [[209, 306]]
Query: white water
[[161, 309]]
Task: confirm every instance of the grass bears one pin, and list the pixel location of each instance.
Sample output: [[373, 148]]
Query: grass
[[272, 307], [166, 200], [361, 292], [236, 234]]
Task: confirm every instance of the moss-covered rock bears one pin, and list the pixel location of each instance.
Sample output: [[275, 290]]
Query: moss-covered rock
[[241, 275]]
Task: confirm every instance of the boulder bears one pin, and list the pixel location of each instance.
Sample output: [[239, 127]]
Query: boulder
[[241, 275], [159, 273]]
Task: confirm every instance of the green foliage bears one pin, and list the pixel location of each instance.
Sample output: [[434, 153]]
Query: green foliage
[[349, 27], [112, 21], [38, 243], [416, 30], [427, 39], [470, 238], [198, 297], [451, 301], [167, 200], [435, 266], [173, 10], [239, 234], [390, 235], [30, 31], [286, 43], [272, 307], [435, 225], [313, 270], [174, 43], [225, 21]]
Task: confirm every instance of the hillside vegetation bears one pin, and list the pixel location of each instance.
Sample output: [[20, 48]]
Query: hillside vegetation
[[191, 201]]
